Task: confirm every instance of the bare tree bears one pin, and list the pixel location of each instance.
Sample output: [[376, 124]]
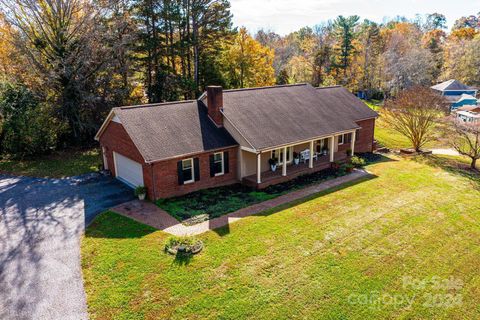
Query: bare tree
[[414, 113], [465, 138]]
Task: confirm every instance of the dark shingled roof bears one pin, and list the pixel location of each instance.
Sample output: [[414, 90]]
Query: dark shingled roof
[[345, 103], [168, 130], [451, 85], [272, 116]]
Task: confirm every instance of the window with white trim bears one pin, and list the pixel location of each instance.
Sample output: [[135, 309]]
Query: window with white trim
[[278, 154], [218, 163], [321, 145], [187, 170], [347, 138], [344, 138]]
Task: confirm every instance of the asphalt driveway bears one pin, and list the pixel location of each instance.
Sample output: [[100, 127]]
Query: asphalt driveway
[[41, 221]]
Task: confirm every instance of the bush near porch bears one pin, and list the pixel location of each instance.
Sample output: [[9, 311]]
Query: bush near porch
[[319, 258], [216, 202]]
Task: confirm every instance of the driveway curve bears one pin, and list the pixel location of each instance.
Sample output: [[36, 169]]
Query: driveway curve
[[41, 221]]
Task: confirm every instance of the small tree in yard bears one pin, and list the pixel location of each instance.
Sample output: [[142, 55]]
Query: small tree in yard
[[414, 113], [465, 138]]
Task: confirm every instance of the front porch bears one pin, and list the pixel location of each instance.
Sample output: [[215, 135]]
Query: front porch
[[269, 178], [314, 155]]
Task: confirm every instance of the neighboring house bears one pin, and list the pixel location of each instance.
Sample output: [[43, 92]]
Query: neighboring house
[[456, 93], [469, 114], [464, 100], [228, 136]]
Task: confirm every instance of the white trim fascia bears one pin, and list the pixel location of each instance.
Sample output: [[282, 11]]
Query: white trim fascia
[[104, 124], [216, 125], [248, 149], [308, 140]]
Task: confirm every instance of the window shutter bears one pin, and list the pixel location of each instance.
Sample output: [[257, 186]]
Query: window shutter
[[180, 172], [212, 166], [226, 167], [196, 168]]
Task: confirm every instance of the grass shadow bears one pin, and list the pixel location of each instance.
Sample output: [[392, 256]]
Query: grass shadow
[[113, 225], [372, 158], [222, 231], [451, 164], [226, 229], [182, 259], [314, 196]]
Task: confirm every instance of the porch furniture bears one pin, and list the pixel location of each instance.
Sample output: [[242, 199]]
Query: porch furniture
[[305, 155]]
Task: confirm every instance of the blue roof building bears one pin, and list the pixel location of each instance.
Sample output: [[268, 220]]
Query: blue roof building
[[457, 94]]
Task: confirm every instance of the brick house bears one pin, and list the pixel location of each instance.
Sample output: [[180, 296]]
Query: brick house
[[228, 136]]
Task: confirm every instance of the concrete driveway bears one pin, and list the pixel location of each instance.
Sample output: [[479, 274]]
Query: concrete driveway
[[41, 221]]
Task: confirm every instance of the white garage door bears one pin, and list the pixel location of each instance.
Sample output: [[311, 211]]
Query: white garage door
[[128, 170]]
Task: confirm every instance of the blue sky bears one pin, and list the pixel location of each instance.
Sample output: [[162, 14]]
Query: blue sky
[[284, 16]]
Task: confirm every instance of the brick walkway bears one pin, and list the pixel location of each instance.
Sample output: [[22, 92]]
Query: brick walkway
[[148, 213]]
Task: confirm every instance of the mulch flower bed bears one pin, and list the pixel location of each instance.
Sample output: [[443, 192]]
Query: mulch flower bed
[[186, 246]]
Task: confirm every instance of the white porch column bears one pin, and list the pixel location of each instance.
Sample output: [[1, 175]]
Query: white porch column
[[284, 161], [310, 161], [352, 144], [259, 168], [332, 148]]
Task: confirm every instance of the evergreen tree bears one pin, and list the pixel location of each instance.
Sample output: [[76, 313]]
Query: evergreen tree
[[344, 29]]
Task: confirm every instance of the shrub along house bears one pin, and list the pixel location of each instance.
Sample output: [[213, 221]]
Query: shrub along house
[[229, 136]]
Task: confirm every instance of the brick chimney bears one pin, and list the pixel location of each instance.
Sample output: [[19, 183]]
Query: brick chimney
[[215, 104]]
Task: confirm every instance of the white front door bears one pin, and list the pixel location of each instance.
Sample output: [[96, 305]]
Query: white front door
[[128, 171]]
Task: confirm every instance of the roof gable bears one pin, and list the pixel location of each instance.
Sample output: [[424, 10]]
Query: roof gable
[[170, 130], [451, 85], [467, 97]]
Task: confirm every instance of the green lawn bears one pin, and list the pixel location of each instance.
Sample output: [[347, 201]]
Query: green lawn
[[374, 104], [57, 165], [390, 138], [384, 134], [343, 254]]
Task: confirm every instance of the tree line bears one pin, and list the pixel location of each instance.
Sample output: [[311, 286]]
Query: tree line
[[65, 63], [378, 59]]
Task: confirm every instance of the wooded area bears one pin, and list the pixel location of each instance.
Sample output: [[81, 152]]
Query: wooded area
[[64, 64]]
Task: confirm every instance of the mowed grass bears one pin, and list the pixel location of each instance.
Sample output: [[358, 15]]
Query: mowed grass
[[57, 165], [342, 254], [390, 138]]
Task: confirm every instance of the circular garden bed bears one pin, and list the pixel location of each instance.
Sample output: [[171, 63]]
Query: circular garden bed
[[185, 246]]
